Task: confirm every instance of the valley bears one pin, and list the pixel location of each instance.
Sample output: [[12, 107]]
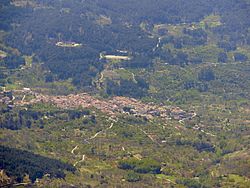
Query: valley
[[125, 93]]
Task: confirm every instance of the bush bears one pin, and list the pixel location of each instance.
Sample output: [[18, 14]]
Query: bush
[[133, 177], [222, 57], [144, 166], [190, 183], [148, 166], [240, 57], [128, 164], [206, 74]]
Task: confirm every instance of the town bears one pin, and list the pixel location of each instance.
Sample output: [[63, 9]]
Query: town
[[113, 106]]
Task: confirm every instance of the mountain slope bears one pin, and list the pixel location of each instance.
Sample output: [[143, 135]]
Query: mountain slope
[[125, 93]]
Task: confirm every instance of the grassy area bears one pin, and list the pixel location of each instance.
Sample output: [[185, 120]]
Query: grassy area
[[170, 179], [207, 53], [175, 30], [211, 21], [13, 86], [233, 180], [124, 74], [28, 60]]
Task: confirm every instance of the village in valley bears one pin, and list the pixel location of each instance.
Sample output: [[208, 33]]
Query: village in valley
[[113, 106]]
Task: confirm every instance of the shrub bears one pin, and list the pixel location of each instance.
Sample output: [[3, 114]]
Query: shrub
[[148, 166], [144, 166], [133, 177], [206, 74], [128, 164]]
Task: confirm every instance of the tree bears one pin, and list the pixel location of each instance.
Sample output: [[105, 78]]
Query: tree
[[148, 166], [222, 57], [206, 74], [128, 164], [227, 46], [143, 166], [133, 177], [240, 57]]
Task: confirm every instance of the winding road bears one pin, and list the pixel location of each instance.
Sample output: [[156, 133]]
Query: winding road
[[72, 151], [91, 138], [82, 160], [96, 134]]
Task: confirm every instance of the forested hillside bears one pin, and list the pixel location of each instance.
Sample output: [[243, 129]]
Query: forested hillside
[[149, 93]]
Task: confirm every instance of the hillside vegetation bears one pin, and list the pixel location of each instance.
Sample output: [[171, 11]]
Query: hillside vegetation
[[114, 93]]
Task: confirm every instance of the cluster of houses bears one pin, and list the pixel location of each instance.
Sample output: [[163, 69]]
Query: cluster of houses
[[113, 106], [4, 99], [12, 97], [121, 105]]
